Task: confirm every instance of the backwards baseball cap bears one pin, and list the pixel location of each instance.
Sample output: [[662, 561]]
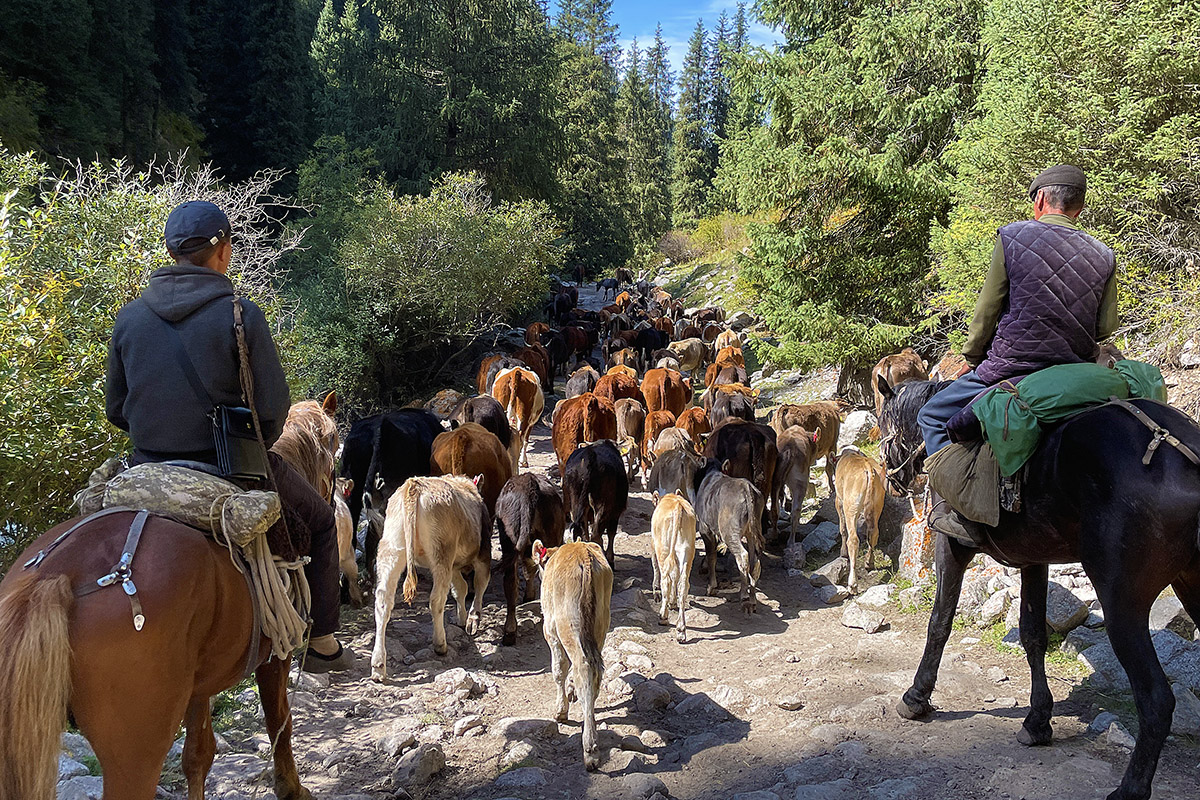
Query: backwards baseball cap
[[1058, 175], [195, 225]]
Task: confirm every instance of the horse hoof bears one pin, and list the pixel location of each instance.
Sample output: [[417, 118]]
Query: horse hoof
[[1029, 739], [663, 621], [914, 710], [510, 639], [681, 637]]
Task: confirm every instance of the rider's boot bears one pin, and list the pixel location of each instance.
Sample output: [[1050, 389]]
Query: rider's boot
[[945, 520]]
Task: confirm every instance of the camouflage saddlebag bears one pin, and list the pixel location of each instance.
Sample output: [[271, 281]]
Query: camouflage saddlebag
[[195, 498]]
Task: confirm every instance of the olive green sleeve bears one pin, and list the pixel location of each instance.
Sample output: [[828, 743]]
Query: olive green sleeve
[[1108, 320], [988, 308]]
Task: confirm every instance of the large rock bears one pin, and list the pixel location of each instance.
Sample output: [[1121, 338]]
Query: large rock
[[823, 538], [641, 786], [917, 551], [993, 608], [856, 430], [444, 402], [454, 679], [1167, 614], [1064, 611], [651, 695], [523, 777], [83, 788], [524, 728], [841, 789], [855, 616], [835, 572], [77, 747], [1187, 712], [1081, 639], [417, 766], [1180, 659], [700, 705], [70, 768], [740, 320], [877, 596]]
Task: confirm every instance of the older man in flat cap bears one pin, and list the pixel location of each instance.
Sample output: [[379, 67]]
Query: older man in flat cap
[[1049, 298]]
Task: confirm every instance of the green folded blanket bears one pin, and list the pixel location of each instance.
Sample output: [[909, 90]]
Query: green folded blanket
[[1012, 416]]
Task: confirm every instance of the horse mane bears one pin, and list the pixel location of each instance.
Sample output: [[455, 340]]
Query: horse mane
[[305, 444]]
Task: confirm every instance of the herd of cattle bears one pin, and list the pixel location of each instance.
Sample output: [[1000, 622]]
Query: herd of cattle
[[670, 402]]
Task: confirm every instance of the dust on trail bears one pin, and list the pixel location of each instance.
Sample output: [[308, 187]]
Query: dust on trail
[[718, 729]]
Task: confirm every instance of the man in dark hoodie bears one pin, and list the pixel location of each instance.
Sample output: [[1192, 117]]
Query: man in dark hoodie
[[164, 406]]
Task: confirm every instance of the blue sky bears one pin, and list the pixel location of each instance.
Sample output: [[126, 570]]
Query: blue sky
[[637, 19]]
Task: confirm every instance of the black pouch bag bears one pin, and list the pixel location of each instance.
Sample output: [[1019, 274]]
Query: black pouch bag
[[239, 454]]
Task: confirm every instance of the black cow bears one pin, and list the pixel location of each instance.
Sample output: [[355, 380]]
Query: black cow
[[485, 411], [500, 364], [608, 285], [556, 345], [730, 405], [648, 340], [747, 450], [595, 493], [529, 508], [379, 454], [729, 509]]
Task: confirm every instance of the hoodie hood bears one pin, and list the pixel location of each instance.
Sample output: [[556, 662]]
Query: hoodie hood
[[175, 292]]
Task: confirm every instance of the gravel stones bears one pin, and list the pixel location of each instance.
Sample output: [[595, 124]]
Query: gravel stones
[[523, 777]]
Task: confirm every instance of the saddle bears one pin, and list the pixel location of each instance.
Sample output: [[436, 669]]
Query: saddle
[[263, 539]]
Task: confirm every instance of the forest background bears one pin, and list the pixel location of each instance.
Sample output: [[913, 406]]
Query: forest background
[[406, 176]]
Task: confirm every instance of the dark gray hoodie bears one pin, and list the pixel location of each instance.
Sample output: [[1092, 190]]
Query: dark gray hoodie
[[148, 394]]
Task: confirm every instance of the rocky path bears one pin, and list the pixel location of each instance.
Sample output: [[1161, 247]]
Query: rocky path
[[787, 703]]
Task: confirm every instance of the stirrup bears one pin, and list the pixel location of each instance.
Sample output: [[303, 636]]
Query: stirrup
[[945, 520]]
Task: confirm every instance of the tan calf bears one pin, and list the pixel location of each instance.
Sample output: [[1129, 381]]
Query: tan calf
[[440, 524], [519, 393], [860, 493], [726, 339], [673, 528], [796, 447], [631, 425], [896, 369], [823, 418], [656, 423], [576, 593], [345, 539]]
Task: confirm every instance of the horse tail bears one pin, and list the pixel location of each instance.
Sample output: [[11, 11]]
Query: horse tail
[[35, 685], [411, 499]]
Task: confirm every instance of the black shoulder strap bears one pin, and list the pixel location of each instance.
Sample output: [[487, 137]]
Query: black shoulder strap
[[185, 361]]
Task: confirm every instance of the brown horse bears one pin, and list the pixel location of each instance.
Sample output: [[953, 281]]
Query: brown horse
[[128, 690]]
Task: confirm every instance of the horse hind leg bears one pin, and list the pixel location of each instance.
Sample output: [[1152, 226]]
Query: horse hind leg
[[1036, 728], [272, 690], [1127, 619], [200, 746], [951, 560]]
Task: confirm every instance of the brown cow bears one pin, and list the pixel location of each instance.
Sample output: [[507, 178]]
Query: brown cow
[[440, 523], [631, 427], [472, 450], [533, 334], [614, 387], [484, 366], [896, 369], [621, 369], [666, 390], [860, 494], [665, 325], [695, 421], [822, 418], [586, 418], [538, 360], [627, 357], [792, 470], [576, 593], [656, 423], [579, 343], [711, 332], [517, 390], [622, 301], [730, 357], [689, 332]]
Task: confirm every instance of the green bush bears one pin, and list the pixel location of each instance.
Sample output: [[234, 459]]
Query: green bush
[[413, 279], [73, 250]]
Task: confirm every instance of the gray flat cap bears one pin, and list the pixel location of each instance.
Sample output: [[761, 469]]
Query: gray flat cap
[[1058, 175]]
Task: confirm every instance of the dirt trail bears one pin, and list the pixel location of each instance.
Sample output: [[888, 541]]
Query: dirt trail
[[720, 728]]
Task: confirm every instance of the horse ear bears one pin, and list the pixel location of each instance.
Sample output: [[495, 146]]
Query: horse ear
[[885, 389], [329, 404]]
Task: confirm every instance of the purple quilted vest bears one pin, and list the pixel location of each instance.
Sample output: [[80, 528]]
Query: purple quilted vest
[[1056, 277]]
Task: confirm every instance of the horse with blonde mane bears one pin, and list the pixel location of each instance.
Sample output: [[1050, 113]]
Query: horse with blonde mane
[[67, 650]]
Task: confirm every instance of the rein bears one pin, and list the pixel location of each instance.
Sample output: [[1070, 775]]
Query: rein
[[900, 488]]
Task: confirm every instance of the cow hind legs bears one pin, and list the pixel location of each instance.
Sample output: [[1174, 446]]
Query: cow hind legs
[[437, 608], [560, 665]]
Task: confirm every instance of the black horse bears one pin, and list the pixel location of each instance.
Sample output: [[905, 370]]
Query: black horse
[[1089, 498]]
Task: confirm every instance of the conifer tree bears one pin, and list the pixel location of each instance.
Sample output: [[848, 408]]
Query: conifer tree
[[660, 80], [719, 85], [745, 104], [692, 169], [639, 126]]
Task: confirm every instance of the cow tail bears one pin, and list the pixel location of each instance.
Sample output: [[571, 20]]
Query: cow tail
[[373, 464], [458, 454], [587, 635], [412, 497], [514, 421]]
